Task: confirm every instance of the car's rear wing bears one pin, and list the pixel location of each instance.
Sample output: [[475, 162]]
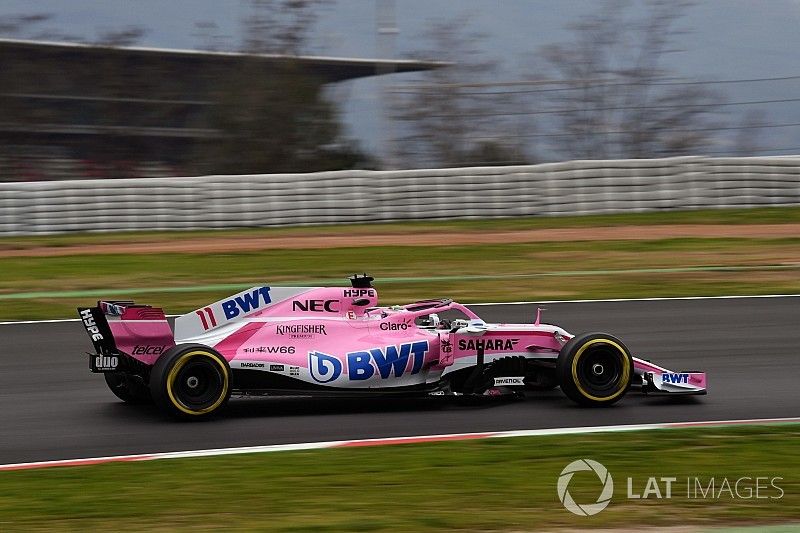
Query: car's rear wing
[[124, 333]]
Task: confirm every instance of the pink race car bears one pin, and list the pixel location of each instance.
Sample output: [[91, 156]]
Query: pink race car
[[334, 341]]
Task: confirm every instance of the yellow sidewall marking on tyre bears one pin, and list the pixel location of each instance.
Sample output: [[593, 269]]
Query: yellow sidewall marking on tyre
[[625, 370], [173, 373]]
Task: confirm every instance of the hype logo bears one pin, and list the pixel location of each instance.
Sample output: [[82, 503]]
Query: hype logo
[[323, 367]]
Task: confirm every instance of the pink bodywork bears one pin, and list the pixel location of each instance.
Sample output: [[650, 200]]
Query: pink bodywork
[[143, 333], [340, 337]]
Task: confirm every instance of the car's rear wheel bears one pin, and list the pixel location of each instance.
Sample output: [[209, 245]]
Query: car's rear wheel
[[595, 369], [191, 381], [127, 388]]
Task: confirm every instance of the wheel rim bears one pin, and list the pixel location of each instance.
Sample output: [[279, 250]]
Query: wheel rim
[[601, 370], [600, 367], [197, 383]]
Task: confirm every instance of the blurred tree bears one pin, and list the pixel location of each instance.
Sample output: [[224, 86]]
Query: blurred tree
[[448, 120], [618, 102], [276, 121], [747, 141], [127, 36], [279, 26], [209, 37], [274, 116]]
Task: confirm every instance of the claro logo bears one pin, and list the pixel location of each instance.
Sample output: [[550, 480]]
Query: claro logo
[[398, 326]]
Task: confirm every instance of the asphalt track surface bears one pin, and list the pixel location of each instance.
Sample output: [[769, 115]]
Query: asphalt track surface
[[53, 408]]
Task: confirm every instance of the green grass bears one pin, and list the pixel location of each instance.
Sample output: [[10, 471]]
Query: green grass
[[771, 264], [494, 484], [770, 215], [615, 265]]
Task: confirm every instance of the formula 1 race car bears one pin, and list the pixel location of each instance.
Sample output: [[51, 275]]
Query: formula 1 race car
[[338, 341]]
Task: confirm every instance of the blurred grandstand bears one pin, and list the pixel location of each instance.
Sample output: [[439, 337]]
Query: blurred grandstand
[[71, 110]]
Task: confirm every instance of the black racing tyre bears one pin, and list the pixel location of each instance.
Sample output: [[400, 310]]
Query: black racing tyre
[[191, 381], [127, 388], [595, 369]]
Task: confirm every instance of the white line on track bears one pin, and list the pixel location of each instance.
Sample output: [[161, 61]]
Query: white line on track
[[390, 441], [605, 300], [652, 299]]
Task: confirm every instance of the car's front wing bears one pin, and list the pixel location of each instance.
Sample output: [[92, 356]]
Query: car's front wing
[[656, 379]]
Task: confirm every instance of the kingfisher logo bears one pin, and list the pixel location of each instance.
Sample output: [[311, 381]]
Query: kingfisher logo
[[323, 367], [386, 362]]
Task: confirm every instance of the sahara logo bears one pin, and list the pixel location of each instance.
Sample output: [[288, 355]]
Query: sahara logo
[[588, 509], [323, 367]]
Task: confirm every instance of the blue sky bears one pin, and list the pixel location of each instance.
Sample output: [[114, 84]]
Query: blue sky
[[730, 39]]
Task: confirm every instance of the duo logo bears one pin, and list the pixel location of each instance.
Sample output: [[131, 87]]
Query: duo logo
[[388, 361], [324, 367], [385, 362], [670, 377], [249, 301]]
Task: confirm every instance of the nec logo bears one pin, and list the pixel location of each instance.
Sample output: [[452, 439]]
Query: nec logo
[[317, 306], [385, 362], [249, 301], [670, 377], [91, 326]]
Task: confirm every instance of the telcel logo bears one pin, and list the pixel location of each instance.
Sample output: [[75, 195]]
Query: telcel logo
[[147, 350]]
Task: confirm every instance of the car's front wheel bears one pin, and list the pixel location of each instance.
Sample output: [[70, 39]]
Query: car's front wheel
[[191, 381], [595, 369]]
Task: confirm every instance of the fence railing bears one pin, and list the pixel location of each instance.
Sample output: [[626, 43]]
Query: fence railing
[[568, 188]]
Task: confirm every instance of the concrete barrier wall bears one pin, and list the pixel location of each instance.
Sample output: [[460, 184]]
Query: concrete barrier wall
[[567, 188]]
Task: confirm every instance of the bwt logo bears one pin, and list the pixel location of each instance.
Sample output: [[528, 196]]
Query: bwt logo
[[670, 377], [384, 362], [392, 359], [249, 301], [324, 367]]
